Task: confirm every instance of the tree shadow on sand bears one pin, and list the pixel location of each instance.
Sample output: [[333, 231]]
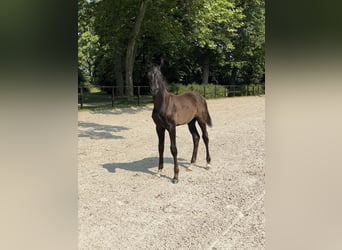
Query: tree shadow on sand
[[143, 165], [119, 111], [100, 131]]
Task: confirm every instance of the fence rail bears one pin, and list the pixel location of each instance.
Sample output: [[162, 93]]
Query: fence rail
[[112, 94]]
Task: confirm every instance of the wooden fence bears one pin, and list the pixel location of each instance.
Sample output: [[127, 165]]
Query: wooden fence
[[109, 94]]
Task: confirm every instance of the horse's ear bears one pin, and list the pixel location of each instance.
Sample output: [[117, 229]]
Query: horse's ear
[[149, 66]]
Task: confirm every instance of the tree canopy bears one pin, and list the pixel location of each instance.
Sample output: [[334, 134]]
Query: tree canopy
[[203, 41]]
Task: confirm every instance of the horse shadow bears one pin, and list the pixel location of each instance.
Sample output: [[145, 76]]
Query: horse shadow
[[144, 166]]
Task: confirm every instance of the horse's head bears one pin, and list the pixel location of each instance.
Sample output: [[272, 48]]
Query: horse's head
[[155, 78]]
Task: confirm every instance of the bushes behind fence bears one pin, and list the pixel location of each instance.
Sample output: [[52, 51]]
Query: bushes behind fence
[[216, 91]]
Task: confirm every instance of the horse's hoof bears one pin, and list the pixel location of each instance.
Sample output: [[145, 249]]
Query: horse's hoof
[[189, 168], [174, 181]]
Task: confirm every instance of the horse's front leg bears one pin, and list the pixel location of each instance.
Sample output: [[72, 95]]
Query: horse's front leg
[[173, 149], [161, 137]]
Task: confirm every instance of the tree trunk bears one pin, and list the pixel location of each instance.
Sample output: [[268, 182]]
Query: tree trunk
[[129, 62], [91, 73], [233, 76], [205, 70], [118, 73]]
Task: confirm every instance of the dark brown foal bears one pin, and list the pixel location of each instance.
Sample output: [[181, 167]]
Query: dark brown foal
[[173, 110]]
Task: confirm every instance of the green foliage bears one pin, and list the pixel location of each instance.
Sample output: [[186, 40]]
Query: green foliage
[[249, 53], [231, 33], [87, 41], [215, 23]]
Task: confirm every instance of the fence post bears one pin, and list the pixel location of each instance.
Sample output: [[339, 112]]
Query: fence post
[[112, 96], [139, 95], [81, 97]]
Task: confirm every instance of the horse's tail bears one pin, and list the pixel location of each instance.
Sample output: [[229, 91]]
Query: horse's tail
[[209, 122], [208, 118]]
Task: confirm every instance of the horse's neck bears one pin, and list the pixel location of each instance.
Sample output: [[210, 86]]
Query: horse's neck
[[159, 100]]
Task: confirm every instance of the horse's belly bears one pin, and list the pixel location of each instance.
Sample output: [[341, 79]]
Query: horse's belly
[[184, 118]]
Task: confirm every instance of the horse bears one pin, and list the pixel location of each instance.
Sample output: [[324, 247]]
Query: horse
[[174, 110]]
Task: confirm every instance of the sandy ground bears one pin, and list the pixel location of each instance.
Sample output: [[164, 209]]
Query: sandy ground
[[122, 205]]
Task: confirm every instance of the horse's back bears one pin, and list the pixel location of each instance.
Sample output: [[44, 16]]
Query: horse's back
[[188, 106], [193, 100], [194, 97], [202, 111]]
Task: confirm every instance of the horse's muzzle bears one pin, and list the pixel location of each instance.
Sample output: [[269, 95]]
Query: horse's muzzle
[[154, 91]]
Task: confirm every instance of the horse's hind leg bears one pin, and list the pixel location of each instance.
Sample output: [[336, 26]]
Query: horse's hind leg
[[206, 140], [161, 137], [195, 139]]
